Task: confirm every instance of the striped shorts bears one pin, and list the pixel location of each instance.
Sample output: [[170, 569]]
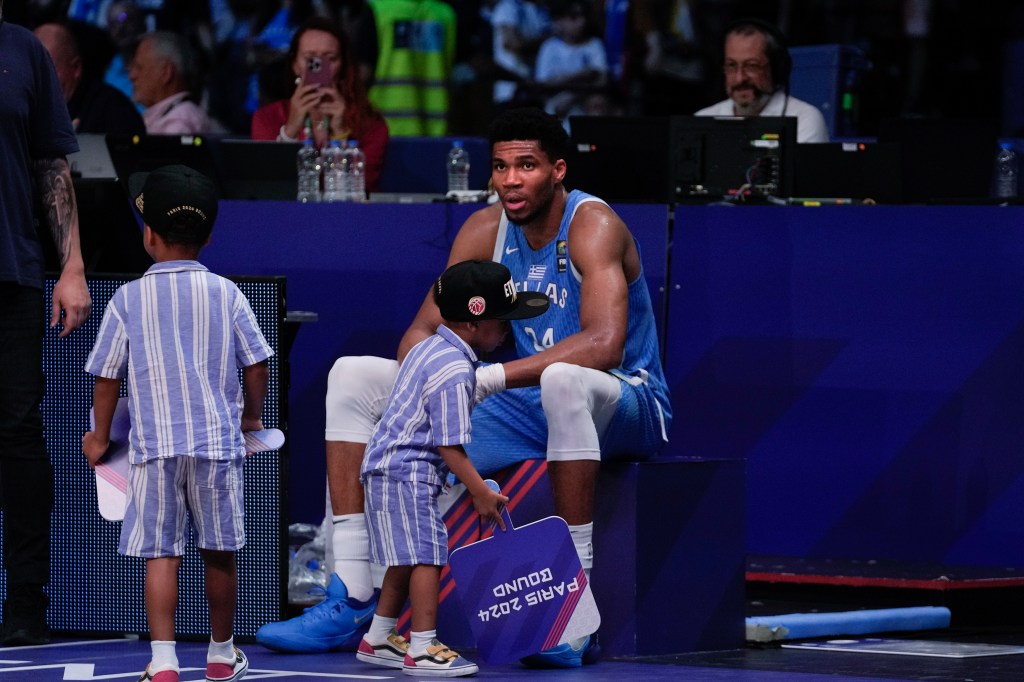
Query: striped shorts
[[405, 523], [161, 491]]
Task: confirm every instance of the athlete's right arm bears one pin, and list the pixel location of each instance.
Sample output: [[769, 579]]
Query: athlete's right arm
[[475, 241]]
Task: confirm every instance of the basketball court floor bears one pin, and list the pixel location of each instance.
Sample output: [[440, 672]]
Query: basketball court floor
[[124, 659]]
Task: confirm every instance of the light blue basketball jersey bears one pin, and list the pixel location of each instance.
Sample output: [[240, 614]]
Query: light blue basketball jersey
[[641, 423]]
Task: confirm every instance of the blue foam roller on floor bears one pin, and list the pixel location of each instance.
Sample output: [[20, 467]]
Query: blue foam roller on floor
[[804, 625]]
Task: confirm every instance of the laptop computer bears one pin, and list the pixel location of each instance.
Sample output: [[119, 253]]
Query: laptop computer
[[92, 160], [255, 169]]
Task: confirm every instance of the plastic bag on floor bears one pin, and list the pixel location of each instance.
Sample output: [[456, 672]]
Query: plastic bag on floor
[[306, 574]]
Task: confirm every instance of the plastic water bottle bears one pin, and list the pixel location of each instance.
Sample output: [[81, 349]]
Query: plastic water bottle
[[458, 167], [308, 160], [331, 160], [1007, 171], [356, 190]]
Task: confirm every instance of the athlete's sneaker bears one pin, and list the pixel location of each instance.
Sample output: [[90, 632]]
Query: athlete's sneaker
[[438, 661], [569, 655], [162, 676], [328, 625], [228, 672], [390, 654]]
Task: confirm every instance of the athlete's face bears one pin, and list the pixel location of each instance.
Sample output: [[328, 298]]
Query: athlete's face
[[524, 178], [490, 334]]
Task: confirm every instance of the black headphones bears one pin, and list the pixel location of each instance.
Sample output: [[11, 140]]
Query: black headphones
[[776, 48]]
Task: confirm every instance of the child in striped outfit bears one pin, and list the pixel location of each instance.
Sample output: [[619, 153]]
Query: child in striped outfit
[[179, 334], [418, 440]]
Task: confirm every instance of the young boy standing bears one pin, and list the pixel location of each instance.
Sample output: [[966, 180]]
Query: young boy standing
[[179, 334], [418, 440]]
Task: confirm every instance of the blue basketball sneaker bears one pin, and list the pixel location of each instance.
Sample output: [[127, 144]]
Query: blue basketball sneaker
[[335, 622], [569, 655]]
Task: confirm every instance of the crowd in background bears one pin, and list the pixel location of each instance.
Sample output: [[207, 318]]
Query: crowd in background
[[938, 58]]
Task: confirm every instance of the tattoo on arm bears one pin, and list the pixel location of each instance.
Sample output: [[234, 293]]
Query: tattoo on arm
[[53, 178]]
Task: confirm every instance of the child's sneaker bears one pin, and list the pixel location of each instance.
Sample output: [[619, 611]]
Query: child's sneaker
[[162, 676], [228, 672], [390, 654], [438, 661]]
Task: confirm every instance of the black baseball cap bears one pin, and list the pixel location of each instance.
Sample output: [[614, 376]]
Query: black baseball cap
[[483, 290], [170, 191]]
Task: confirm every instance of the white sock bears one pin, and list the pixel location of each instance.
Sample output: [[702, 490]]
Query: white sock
[[380, 628], [164, 656], [377, 572], [583, 539], [351, 544], [419, 641], [221, 652]]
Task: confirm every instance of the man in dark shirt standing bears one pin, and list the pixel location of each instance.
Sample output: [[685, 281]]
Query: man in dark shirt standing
[[94, 106], [35, 139]]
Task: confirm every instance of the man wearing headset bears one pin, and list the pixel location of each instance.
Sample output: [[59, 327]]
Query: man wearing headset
[[756, 65]]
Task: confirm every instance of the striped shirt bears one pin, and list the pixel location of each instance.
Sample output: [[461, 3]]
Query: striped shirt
[[179, 334], [429, 406]]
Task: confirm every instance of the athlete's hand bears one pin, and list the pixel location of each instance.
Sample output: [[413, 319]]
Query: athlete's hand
[[490, 379]]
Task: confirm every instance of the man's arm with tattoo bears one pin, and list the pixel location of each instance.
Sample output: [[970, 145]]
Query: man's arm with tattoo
[[70, 293]]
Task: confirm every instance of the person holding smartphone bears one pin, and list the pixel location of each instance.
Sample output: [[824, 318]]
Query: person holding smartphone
[[329, 101]]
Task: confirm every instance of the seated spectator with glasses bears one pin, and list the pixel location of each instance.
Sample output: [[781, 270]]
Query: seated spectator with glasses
[[757, 65]]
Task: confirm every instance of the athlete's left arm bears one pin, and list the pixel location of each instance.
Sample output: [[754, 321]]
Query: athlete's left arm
[[601, 249]]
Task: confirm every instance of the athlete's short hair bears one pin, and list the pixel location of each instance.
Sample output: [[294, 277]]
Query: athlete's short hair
[[530, 123]]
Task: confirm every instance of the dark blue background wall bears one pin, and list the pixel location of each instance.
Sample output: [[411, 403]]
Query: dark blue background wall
[[866, 361]]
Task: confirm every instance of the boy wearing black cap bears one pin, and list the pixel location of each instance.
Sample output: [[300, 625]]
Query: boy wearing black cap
[[418, 440], [179, 334]]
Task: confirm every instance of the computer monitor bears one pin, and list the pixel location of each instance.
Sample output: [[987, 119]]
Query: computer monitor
[[853, 170], [254, 169], [723, 156], [620, 158], [135, 153], [943, 161]]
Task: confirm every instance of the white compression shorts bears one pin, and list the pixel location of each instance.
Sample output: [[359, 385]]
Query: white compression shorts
[[357, 391], [578, 404]]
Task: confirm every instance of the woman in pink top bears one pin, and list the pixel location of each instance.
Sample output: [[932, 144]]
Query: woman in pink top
[[337, 109]]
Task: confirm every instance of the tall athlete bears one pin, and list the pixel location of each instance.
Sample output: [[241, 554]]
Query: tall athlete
[[588, 384]]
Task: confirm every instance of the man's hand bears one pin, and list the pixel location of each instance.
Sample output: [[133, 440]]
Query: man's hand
[[70, 297], [490, 379], [94, 447]]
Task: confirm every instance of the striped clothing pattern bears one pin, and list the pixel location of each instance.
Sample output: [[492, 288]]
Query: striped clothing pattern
[[429, 405], [179, 334], [403, 473]]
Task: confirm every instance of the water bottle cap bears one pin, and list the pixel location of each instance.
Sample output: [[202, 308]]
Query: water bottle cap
[[1006, 145], [456, 143], [353, 143], [335, 143]]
